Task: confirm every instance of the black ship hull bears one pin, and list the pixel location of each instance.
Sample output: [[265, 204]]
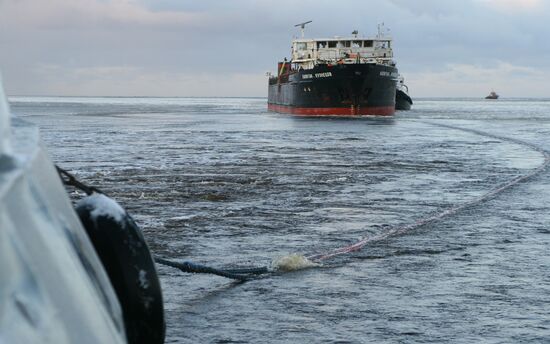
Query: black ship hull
[[402, 101], [342, 89]]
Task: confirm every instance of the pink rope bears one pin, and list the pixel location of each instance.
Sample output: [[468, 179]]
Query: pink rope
[[451, 211]]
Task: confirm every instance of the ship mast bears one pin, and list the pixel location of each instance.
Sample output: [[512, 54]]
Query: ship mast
[[303, 26], [382, 31]]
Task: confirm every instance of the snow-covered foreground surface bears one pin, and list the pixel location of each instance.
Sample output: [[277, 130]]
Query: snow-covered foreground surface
[[53, 288]]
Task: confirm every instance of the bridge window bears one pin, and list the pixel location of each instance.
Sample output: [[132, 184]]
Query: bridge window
[[367, 44], [301, 46], [382, 44], [356, 44], [321, 45], [332, 44]]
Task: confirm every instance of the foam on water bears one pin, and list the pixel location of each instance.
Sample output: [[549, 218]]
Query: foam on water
[[292, 262]]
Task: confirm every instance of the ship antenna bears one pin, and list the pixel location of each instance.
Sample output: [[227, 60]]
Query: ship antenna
[[381, 29], [303, 26]]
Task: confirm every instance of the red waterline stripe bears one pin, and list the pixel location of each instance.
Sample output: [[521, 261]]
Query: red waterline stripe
[[334, 111]]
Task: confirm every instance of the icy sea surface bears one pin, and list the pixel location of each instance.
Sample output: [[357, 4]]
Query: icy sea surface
[[221, 181]]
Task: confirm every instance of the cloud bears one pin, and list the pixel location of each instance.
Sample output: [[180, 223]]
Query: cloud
[[94, 42], [466, 80], [513, 5], [432, 8], [136, 81], [64, 15]]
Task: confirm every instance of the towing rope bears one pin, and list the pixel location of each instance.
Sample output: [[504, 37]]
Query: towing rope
[[237, 274], [247, 273], [451, 211], [69, 179], [241, 274]]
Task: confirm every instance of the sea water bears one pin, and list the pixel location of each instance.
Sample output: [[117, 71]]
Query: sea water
[[221, 181]]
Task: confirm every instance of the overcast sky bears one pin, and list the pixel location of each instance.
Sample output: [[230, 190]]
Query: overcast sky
[[225, 47]]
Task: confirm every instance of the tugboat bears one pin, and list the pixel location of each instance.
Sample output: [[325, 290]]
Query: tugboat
[[336, 76], [402, 99], [492, 95]]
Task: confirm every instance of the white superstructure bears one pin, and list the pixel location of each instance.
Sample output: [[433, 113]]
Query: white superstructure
[[306, 53]]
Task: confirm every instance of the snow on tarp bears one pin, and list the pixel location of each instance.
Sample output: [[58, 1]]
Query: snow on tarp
[[53, 287]]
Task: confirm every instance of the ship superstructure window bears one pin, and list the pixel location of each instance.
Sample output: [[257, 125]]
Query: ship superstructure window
[[301, 46], [332, 44], [382, 45], [347, 44], [367, 44], [321, 45], [356, 44]]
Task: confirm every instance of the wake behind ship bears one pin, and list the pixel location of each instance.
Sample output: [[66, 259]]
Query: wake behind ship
[[336, 76]]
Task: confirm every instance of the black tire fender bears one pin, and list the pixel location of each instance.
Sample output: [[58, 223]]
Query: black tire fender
[[125, 256]]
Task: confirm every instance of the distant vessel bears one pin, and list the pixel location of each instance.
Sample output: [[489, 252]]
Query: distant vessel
[[402, 99], [492, 95], [336, 76]]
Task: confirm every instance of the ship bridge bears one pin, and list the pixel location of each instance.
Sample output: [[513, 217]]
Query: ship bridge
[[306, 53]]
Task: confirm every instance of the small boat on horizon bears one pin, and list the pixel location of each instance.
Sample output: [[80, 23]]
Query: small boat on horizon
[[492, 95], [346, 76]]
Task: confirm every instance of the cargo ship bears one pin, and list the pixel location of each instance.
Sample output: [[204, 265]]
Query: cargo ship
[[336, 76]]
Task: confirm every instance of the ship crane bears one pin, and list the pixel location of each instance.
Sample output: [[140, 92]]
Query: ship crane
[[303, 26]]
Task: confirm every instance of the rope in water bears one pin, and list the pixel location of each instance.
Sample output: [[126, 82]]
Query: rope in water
[[451, 211], [237, 274], [246, 273], [69, 179], [436, 217], [241, 274]]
